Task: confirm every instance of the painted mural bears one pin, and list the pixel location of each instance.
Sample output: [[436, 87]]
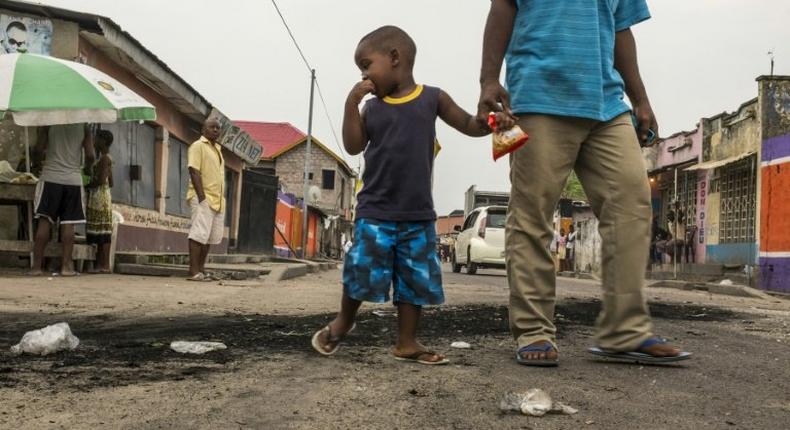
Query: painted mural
[[23, 34]]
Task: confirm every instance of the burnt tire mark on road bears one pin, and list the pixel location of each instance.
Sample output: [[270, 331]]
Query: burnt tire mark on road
[[117, 352]]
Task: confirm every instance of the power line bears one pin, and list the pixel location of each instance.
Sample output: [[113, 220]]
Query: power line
[[307, 63], [331, 124], [320, 93]]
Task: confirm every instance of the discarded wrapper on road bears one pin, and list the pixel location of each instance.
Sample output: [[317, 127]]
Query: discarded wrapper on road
[[534, 402], [505, 141]]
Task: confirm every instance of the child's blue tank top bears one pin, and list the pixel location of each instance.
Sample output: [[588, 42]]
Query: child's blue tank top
[[399, 157]]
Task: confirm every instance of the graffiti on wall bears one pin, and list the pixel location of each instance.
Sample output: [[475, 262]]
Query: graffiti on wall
[[140, 217], [23, 34]]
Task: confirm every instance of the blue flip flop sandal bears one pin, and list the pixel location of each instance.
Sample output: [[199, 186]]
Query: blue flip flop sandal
[[641, 357], [546, 362]]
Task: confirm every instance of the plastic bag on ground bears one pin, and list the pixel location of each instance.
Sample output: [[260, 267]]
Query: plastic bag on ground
[[185, 347], [534, 402], [52, 338]]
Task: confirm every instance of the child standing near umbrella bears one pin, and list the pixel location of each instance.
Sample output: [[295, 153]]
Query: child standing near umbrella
[[99, 213]]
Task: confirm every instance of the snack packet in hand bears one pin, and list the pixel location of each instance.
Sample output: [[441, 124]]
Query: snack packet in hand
[[505, 141]]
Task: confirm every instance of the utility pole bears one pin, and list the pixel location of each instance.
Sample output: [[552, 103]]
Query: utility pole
[[307, 165]]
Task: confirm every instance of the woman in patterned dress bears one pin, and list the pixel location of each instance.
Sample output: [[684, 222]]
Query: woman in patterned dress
[[99, 210]]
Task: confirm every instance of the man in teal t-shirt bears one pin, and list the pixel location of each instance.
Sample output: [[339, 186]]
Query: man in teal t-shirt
[[569, 64]]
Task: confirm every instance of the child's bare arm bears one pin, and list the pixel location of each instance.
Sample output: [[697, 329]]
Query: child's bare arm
[[464, 122], [354, 136]]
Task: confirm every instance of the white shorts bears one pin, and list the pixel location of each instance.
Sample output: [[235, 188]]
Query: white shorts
[[207, 224]]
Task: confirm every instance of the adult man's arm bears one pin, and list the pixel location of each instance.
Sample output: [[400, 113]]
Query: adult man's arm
[[40, 148], [625, 62], [88, 150], [194, 164], [197, 183], [499, 28]]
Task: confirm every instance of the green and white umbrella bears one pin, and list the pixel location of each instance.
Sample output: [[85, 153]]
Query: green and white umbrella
[[38, 90]]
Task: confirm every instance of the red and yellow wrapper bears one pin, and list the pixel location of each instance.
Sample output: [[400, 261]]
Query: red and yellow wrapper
[[506, 141]]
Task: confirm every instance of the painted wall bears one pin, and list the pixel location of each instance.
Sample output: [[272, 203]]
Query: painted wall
[[727, 135], [679, 148], [290, 170], [700, 249], [288, 220], [170, 122], [588, 244], [64, 35], [445, 224], [775, 184]]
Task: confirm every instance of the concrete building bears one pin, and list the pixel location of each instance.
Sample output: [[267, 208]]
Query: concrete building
[[446, 224], [149, 169], [730, 178], [774, 197], [284, 149], [674, 187]]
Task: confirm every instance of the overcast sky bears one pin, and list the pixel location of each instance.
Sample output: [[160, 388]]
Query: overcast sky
[[698, 58]]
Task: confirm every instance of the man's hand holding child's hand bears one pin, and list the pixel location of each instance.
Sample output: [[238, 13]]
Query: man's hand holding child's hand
[[504, 121]]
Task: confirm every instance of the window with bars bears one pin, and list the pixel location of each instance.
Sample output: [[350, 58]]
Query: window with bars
[[736, 184], [686, 199]]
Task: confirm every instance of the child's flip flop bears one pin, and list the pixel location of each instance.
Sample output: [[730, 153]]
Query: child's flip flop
[[330, 339], [415, 358]]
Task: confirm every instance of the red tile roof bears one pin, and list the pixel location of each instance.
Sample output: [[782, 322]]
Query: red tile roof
[[273, 136]]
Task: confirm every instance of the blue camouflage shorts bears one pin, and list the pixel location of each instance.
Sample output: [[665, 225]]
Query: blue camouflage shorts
[[401, 254]]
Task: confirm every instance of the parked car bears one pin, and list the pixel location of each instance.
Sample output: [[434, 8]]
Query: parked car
[[481, 240]]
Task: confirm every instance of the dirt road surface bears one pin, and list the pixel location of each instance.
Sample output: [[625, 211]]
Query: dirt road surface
[[124, 376]]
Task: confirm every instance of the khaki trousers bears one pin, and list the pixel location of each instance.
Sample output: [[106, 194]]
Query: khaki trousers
[[608, 162]]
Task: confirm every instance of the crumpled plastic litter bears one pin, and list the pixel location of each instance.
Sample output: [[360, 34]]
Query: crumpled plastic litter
[[534, 402], [384, 312], [52, 338], [725, 282], [201, 347], [460, 345]]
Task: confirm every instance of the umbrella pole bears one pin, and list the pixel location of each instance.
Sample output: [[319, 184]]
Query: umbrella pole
[[29, 203], [27, 150]]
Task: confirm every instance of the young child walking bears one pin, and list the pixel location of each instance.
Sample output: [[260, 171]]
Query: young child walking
[[394, 232]]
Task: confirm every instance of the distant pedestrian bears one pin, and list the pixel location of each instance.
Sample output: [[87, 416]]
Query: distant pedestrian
[[347, 247], [206, 198], [562, 251], [570, 249], [553, 249], [569, 64], [59, 193], [99, 210], [395, 229]]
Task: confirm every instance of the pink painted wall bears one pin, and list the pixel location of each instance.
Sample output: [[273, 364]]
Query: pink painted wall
[[690, 144]]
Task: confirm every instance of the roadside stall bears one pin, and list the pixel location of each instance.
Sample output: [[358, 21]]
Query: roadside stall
[[38, 91]]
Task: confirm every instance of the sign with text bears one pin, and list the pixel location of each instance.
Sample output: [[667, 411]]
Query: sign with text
[[236, 140]]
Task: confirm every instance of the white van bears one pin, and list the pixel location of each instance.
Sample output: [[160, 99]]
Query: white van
[[481, 240]]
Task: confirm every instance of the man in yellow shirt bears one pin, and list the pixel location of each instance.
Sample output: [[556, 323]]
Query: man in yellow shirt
[[206, 197]]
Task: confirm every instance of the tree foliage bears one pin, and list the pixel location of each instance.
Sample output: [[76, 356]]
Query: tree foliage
[[573, 189]]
